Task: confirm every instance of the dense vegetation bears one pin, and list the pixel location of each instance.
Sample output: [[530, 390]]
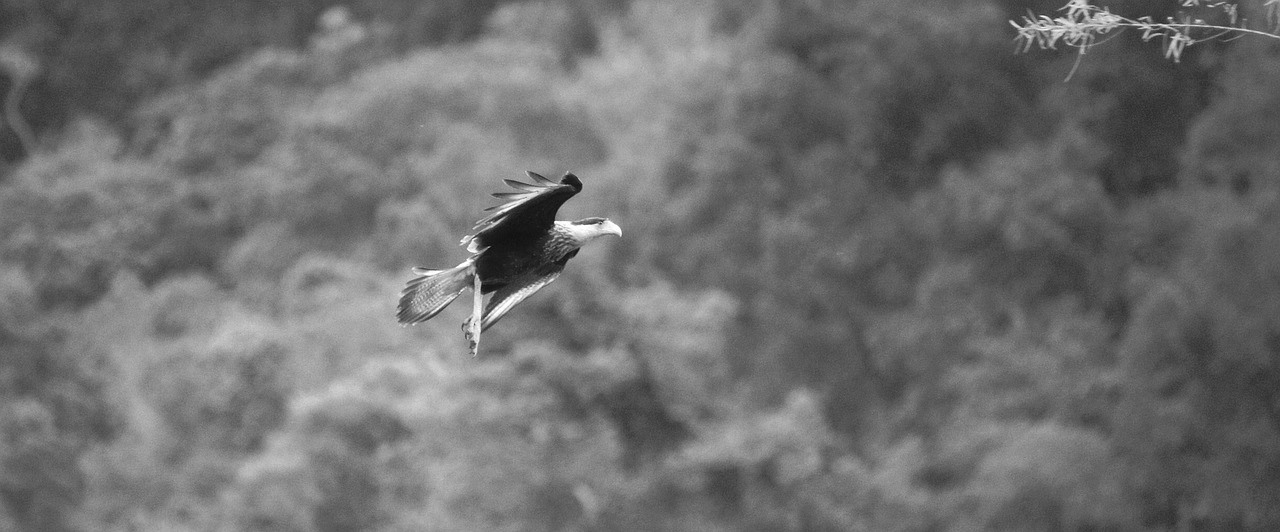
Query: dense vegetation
[[880, 272]]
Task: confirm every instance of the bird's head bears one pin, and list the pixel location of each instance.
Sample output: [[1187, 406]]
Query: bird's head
[[588, 229]]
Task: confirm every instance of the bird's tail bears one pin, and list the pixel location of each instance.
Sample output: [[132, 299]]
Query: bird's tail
[[432, 290]]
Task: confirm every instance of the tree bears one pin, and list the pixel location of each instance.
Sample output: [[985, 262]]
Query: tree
[[53, 410]]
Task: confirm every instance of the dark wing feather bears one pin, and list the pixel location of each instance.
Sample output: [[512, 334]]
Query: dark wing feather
[[507, 297], [530, 211]]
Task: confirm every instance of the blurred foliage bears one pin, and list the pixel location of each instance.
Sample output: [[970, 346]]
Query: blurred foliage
[[880, 273]]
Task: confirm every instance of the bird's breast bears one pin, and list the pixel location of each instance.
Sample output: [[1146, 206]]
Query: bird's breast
[[503, 262]]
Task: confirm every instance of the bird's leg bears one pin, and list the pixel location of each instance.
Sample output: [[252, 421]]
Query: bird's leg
[[477, 315]]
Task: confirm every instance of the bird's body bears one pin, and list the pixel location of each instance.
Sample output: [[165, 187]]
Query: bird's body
[[501, 264], [516, 251]]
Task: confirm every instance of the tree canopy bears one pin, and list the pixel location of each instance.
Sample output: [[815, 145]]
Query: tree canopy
[[881, 272]]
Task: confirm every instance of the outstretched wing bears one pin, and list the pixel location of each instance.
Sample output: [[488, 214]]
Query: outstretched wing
[[507, 297], [528, 212]]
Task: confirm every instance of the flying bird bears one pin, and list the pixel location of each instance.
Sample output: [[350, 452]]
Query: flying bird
[[515, 251]]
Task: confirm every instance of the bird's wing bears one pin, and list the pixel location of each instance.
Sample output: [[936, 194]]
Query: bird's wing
[[507, 297], [530, 211]]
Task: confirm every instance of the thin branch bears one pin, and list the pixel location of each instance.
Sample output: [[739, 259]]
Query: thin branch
[[1083, 22], [21, 68], [13, 116]]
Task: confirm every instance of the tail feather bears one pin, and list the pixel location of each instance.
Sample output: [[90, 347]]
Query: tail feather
[[432, 291]]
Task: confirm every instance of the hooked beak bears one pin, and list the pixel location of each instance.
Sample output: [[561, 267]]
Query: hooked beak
[[609, 228]]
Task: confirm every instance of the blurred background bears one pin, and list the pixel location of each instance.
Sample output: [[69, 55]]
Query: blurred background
[[881, 272]]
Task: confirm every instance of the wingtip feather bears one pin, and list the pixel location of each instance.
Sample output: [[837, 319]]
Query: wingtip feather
[[539, 177], [521, 185]]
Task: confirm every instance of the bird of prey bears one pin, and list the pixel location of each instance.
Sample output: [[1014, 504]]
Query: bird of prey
[[516, 250]]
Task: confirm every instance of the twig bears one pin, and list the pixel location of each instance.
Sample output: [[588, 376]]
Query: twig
[[13, 116], [1083, 23], [22, 68]]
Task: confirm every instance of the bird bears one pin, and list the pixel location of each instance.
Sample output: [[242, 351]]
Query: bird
[[515, 251]]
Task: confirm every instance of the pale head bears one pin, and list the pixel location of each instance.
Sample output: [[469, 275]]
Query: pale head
[[588, 229]]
